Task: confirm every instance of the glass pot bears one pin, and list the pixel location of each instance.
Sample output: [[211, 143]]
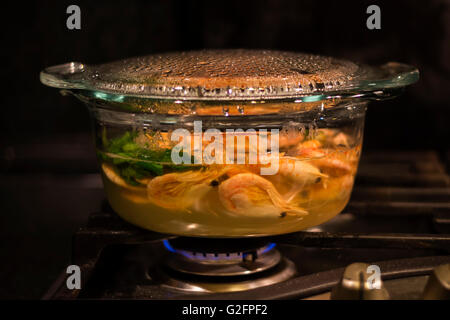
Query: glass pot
[[230, 143]]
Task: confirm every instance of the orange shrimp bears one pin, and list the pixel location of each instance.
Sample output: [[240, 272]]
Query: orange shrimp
[[248, 194]]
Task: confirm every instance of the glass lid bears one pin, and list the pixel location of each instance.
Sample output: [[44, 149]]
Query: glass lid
[[217, 75]]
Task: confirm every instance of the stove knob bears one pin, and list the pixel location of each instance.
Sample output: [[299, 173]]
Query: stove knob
[[356, 284], [438, 285]]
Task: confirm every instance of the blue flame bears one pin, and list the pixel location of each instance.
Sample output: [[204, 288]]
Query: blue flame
[[269, 247], [169, 247]]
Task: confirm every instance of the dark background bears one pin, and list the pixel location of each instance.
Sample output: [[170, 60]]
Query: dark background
[[48, 180]]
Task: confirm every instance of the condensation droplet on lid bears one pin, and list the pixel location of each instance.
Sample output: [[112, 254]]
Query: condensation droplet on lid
[[225, 73]]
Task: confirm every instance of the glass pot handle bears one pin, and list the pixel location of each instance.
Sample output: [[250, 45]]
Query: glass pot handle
[[70, 75], [390, 75]]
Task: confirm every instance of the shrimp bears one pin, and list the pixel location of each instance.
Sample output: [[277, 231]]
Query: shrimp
[[341, 139], [311, 144], [181, 190], [300, 171], [309, 149], [330, 163], [334, 166], [339, 162], [247, 194]]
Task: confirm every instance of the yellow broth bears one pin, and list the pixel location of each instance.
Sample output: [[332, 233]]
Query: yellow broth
[[313, 184]]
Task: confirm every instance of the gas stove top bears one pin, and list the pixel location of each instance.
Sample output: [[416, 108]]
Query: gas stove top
[[398, 220]]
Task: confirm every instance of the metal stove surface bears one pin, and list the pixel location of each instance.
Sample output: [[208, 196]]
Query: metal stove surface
[[398, 218]]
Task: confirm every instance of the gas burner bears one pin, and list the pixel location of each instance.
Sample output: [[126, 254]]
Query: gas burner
[[234, 259], [224, 265]]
